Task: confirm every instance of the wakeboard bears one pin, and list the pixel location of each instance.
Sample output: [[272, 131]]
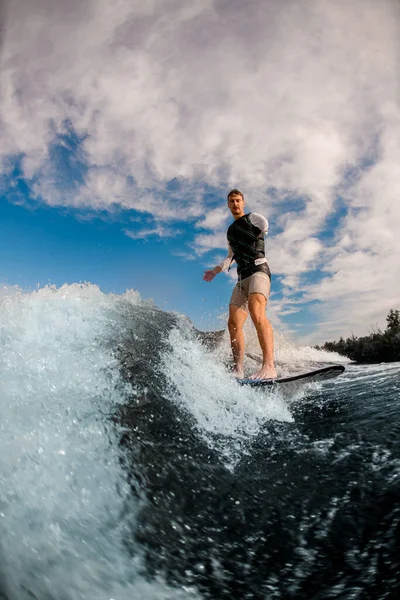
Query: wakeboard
[[310, 377]]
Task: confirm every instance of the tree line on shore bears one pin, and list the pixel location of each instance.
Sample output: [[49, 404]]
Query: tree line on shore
[[379, 346]]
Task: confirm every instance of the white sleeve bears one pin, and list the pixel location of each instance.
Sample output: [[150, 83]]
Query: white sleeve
[[259, 221], [224, 265]]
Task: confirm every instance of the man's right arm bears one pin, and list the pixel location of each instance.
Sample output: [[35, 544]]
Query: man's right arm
[[209, 275]]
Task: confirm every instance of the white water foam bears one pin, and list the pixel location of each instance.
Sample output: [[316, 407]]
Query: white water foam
[[289, 358], [62, 490], [228, 415]]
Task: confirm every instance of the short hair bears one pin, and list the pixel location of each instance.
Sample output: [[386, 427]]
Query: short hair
[[235, 192]]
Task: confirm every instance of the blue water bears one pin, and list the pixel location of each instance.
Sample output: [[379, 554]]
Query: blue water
[[133, 466]]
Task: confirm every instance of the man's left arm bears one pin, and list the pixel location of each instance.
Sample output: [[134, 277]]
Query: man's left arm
[[259, 221]]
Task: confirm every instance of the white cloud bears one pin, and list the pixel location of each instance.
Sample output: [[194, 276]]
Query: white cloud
[[215, 219], [205, 242], [289, 95], [158, 231]]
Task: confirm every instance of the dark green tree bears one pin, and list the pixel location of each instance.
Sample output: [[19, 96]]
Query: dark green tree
[[374, 348], [393, 320]]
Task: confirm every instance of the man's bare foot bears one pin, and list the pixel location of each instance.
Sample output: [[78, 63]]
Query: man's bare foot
[[238, 373], [265, 373]]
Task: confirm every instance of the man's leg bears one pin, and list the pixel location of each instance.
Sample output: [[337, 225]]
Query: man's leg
[[237, 317], [257, 306]]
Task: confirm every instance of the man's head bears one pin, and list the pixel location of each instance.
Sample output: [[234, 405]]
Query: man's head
[[236, 203]]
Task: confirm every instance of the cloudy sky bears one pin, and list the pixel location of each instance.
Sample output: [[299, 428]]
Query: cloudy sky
[[124, 123]]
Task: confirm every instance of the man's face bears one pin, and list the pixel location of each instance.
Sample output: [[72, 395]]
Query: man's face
[[236, 205]]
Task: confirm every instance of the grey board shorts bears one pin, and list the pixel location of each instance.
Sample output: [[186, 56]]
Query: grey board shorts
[[257, 283]]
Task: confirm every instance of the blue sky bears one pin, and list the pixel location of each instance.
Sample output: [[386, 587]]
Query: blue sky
[[124, 126], [42, 246]]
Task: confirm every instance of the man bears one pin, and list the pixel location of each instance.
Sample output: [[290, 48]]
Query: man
[[251, 293]]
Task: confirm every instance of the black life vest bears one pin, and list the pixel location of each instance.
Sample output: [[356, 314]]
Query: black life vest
[[247, 243]]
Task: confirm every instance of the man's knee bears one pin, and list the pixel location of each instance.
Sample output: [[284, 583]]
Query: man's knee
[[257, 307], [236, 318], [232, 325], [235, 323]]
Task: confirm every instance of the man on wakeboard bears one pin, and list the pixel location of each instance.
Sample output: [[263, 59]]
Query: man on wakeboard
[[250, 295]]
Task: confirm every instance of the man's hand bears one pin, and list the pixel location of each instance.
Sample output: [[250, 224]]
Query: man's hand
[[209, 275]]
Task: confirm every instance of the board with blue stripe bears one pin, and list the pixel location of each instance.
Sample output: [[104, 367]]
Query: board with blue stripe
[[309, 377]]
